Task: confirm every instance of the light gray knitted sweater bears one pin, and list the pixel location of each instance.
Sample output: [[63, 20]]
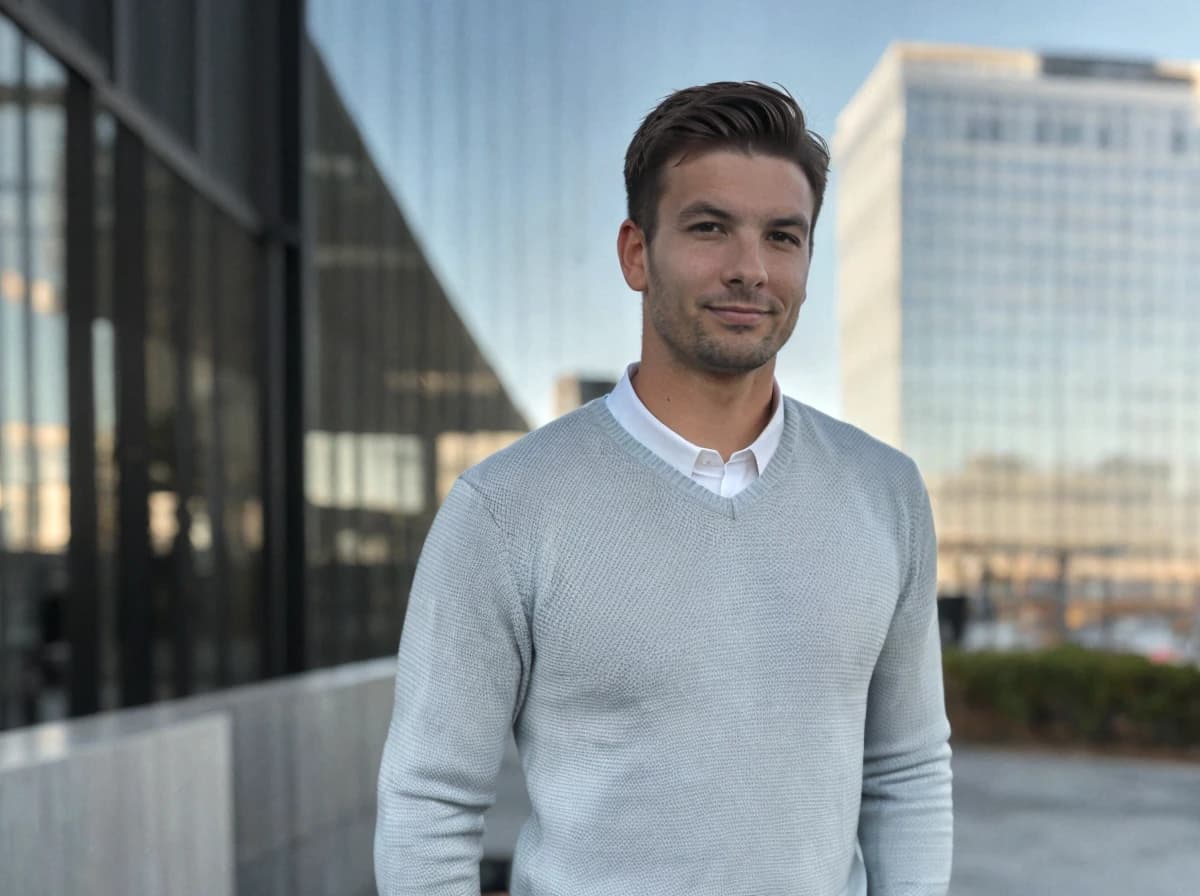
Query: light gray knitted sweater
[[728, 696]]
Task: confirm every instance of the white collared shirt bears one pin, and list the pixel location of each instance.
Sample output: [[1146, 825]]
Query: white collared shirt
[[704, 465]]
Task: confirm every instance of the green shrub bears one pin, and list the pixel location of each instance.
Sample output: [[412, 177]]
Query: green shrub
[[1073, 695]]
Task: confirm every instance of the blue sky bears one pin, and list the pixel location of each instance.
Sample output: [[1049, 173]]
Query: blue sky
[[502, 127]]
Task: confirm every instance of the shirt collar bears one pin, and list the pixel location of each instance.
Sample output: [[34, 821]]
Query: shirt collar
[[627, 408]]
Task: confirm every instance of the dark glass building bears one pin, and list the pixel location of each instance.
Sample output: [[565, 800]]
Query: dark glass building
[[232, 391]]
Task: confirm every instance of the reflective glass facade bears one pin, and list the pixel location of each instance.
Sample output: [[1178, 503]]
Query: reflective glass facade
[[399, 400], [232, 391], [34, 477], [1019, 243]]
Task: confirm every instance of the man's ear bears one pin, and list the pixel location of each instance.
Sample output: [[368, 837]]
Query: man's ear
[[631, 250]]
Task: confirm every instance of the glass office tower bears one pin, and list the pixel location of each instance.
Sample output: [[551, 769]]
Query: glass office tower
[[1019, 265], [232, 391]]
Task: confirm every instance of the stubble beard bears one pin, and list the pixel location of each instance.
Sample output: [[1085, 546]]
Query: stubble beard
[[694, 347]]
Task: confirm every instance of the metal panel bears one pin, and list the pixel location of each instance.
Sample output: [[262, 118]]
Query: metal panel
[[293, 475], [273, 622], [163, 64], [57, 36], [186, 303], [89, 19], [294, 89], [133, 551], [219, 593], [82, 611], [234, 58]]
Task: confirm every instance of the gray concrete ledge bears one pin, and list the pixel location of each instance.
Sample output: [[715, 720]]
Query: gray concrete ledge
[[282, 773], [143, 813]]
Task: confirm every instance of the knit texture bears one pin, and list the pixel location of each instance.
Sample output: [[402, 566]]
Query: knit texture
[[728, 696]]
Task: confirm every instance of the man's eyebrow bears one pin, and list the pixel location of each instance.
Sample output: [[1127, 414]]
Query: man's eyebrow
[[800, 222], [703, 209]]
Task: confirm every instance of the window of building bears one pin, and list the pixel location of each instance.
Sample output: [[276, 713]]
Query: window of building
[[34, 430]]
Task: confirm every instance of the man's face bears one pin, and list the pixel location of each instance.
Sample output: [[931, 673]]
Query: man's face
[[726, 272]]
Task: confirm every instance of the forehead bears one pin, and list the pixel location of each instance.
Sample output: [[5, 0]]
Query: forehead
[[748, 183]]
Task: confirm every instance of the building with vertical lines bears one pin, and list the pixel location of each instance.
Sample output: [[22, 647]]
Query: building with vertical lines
[[1019, 260], [232, 390]]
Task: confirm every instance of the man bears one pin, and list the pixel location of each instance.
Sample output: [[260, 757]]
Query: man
[[706, 610]]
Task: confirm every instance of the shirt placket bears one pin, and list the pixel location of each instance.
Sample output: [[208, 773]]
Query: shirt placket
[[709, 470]]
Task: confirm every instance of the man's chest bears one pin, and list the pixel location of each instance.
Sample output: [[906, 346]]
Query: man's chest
[[714, 616]]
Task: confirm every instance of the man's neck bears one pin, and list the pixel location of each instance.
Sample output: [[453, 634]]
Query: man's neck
[[723, 412]]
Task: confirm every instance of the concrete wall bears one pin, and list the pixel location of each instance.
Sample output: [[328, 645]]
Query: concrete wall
[[138, 812], [266, 790], [306, 757]]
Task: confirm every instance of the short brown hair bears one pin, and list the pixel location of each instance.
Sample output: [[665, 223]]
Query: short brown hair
[[745, 115]]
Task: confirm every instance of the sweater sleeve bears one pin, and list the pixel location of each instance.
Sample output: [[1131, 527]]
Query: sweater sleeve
[[464, 655], [906, 824]]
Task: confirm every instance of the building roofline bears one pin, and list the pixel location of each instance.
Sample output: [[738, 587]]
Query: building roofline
[[1030, 64], [919, 51], [1102, 64]]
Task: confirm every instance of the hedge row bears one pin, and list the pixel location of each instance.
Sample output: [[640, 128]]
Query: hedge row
[[1073, 696]]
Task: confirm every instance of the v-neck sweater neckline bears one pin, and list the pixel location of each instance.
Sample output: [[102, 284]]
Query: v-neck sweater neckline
[[733, 506]]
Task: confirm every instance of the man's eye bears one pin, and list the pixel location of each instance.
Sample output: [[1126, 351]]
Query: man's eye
[[705, 227], [783, 235]]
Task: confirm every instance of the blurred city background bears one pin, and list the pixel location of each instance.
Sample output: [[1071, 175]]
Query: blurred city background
[[274, 273]]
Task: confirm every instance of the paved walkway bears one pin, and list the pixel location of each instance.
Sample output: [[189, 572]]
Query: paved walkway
[[1040, 825], [1029, 824]]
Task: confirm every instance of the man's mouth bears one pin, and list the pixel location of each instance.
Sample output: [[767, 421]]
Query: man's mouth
[[739, 315]]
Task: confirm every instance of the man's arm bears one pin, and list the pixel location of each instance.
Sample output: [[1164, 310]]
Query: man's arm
[[463, 660], [906, 825]]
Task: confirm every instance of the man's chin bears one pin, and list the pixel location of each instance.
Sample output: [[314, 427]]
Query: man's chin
[[732, 363]]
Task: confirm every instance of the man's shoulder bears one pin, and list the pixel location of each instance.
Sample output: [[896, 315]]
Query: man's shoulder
[[854, 449]]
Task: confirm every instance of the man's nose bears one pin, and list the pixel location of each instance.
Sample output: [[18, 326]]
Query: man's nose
[[745, 267]]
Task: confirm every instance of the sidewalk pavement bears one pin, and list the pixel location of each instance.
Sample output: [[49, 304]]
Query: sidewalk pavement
[[1050, 825]]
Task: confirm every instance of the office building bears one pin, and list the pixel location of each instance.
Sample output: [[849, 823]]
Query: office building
[[232, 390], [1019, 260]]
